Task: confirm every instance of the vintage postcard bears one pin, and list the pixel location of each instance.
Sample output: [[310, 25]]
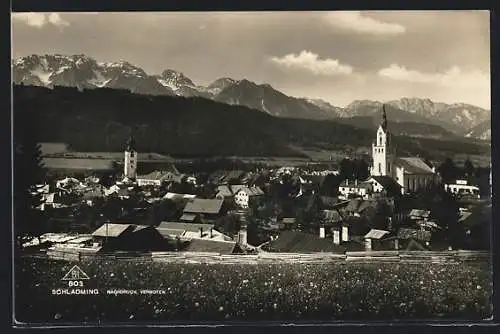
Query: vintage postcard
[[251, 167]]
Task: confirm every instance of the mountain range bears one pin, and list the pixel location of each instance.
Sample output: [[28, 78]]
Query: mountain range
[[411, 114]]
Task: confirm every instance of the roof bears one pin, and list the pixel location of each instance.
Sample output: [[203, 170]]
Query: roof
[[300, 242], [414, 165], [464, 216], [332, 216], [111, 230], [376, 234], [221, 247], [251, 191], [138, 228], [234, 174], [201, 205], [410, 233], [388, 183], [420, 213], [191, 227], [156, 175], [178, 196], [189, 216]]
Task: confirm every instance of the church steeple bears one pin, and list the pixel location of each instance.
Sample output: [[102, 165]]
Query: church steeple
[[130, 143], [383, 123]]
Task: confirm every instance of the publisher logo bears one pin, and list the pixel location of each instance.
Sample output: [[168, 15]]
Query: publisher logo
[[75, 274]]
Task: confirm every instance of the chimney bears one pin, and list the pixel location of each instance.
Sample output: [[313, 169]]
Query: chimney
[[201, 232], [347, 182], [355, 182], [322, 232], [345, 233], [389, 225], [336, 237], [396, 244], [211, 233]]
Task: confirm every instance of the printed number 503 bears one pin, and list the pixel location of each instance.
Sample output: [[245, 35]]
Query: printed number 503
[[75, 283]]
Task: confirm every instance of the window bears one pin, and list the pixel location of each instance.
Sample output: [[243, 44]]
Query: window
[[132, 154], [380, 167]]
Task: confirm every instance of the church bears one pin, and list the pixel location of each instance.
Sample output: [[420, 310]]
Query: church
[[411, 173]]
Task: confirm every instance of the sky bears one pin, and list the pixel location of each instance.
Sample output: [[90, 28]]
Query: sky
[[335, 56]]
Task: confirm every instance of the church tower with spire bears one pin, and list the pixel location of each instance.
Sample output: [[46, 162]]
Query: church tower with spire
[[382, 152], [130, 166]]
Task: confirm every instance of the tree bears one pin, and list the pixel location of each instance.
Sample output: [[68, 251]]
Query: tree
[[346, 169], [361, 169], [468, 168], [28, 171], [448, 171]]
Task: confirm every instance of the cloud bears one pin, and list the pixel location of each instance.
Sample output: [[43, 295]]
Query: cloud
[[454, 77], [309, 61], [39, 20], [357, 22]]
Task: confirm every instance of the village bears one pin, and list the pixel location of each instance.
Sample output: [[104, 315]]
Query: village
[[402, 204]]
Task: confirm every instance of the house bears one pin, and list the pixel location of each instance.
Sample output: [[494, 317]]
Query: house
[[301, 242], [462, 189], [386, 185], [412, 173], [205, 209], [158, 178], [129, 237], [405, 235], [348, 189], [373, 239], [244, 196], [198, 238]]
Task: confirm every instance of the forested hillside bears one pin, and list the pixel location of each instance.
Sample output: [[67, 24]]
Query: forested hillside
[[102, 119]]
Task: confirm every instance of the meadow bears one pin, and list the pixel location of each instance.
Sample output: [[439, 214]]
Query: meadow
[[259, 292]]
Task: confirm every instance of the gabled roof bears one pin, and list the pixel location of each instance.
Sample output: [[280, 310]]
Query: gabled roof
[[376, 234], [413, 165], [156, 176], [388, 183], [234, 175], [112, 230], [201, 205]]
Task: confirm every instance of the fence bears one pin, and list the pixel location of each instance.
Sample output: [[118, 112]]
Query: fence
[[265, 257]]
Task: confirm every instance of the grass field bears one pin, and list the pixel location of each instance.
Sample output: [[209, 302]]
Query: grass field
[[263, 292]]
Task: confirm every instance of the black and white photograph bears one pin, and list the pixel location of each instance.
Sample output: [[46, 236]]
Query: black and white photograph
[[180, 168]]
